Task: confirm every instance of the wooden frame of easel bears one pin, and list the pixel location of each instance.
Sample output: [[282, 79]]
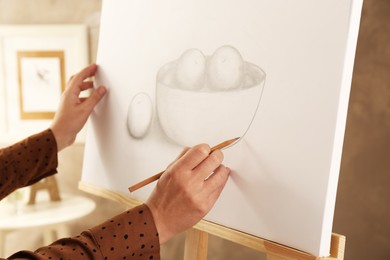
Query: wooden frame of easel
[[197, 237]]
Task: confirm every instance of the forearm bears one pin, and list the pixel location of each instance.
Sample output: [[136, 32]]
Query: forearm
[[130, 235], [27, 162]]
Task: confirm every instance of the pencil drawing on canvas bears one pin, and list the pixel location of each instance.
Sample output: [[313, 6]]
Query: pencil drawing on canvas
[[201, 97], [182, 73]]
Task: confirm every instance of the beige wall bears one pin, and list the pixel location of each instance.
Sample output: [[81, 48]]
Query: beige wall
[[362, 210]]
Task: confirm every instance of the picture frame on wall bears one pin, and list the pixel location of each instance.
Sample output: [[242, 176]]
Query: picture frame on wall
[[41, 76], [35, 63]]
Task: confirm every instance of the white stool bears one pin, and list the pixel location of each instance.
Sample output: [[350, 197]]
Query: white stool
[[52, 217]]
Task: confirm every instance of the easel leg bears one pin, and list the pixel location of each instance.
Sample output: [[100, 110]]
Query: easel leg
[[337, 246], [196, 245], [273, 257]]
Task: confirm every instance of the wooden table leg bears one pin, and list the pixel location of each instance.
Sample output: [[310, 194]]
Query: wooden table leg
[[2, 243], [48, 235], [195, 245], [62, 231]]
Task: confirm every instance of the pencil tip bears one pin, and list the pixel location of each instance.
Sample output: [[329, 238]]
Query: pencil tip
[[235, 139]]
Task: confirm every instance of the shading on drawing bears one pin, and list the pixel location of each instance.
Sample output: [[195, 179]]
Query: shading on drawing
[[207, 98]]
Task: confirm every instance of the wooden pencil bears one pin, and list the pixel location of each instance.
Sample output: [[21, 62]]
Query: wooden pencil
[[158, 175]]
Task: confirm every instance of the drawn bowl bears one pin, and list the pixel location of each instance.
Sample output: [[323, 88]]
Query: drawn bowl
[[189, 117]]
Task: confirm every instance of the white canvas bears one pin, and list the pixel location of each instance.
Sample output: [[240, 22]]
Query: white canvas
[[282, 84]]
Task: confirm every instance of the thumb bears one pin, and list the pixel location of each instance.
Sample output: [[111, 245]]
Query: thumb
[[95, 97]]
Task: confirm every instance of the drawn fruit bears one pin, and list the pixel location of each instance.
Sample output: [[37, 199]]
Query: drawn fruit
[[190, 70], [139, 116], [225, 70]]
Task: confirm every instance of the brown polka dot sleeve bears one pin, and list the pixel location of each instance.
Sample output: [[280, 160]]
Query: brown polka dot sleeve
[[131, 235], [27, 162]]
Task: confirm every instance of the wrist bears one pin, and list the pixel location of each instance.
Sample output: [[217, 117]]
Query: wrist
[[164, 233], [63, 140]]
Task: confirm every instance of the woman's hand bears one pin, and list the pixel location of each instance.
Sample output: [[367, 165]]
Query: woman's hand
[[187, 191], [74, 111]]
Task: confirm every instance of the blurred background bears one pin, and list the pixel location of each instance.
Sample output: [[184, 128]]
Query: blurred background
[[362, 209]]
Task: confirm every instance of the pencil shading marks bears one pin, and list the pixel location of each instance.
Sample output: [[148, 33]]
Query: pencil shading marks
[[208, 98]]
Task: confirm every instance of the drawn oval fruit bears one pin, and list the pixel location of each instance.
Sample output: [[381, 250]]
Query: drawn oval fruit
[[190, 70], [226, 69], [139, 116]]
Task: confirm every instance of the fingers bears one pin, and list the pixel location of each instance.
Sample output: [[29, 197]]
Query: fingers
[[86, 85], [200, 161], [84, 74], [77, 82], [193, 157], [206, 167], [183, 152], [216, 182], [94, 98]]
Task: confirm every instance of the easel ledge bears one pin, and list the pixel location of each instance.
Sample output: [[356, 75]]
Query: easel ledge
[[197, 237]]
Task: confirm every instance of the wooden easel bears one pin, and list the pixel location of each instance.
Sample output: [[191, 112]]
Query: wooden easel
[[197, 237]]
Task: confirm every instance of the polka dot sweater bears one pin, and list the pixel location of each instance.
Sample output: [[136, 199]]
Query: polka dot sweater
[[27, 162], [130, 235]]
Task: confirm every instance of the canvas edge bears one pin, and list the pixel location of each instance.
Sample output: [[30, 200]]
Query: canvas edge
[[349, 59]]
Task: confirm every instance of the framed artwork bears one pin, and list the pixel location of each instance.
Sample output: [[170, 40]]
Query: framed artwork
[[275, 73], [35, 63], [41, 76]]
